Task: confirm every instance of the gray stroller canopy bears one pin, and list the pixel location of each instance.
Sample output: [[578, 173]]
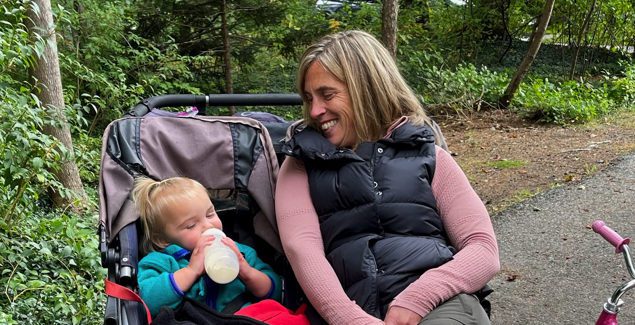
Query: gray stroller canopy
[[222, 153]]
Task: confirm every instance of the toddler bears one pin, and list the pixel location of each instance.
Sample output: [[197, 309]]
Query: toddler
[[175, 212]]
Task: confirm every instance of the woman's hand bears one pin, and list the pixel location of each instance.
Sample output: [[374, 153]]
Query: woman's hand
[[401, 316]]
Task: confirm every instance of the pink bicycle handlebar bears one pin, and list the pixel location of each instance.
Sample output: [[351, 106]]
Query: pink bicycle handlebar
[[610, 235], [606, 318]]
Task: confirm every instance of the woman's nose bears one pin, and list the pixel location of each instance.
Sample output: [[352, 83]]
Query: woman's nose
[[317, 109]]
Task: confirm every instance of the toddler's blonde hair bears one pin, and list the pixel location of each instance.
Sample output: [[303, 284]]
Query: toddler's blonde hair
[[153, 198]]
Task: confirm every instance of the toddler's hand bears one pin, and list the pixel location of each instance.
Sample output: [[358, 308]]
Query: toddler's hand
[[197, 260], [231, 244]]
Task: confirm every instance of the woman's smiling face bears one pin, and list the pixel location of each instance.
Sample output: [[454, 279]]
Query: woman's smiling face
[[330, 105]]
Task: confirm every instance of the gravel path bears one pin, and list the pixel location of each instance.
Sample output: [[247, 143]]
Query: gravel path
[[554, 268]]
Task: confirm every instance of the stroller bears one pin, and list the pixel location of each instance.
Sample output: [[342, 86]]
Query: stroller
[[232, 156]]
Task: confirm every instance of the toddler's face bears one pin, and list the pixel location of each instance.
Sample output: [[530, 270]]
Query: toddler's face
[[185, 222]]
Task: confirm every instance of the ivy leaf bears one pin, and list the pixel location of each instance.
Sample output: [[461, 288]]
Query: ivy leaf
[[37, 162], [67, 251], [35, 284], [46, 251], [70, 232]]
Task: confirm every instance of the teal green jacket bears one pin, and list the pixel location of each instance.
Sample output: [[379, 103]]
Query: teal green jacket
[[157, 289]]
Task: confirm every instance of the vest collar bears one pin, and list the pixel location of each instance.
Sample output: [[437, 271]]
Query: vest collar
[[402, 131], [309, 143]]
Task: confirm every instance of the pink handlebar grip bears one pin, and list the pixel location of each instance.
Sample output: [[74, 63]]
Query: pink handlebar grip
[[606, 318], [610, 235]]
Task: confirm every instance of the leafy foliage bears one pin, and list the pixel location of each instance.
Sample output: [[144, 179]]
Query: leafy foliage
[[622, 89], [29, 156], [463, 89], [101, 55], [48, 262], [50, 271], [577, 102], [16, 51]]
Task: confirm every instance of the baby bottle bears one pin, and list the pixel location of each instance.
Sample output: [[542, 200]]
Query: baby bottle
[[221, 263]]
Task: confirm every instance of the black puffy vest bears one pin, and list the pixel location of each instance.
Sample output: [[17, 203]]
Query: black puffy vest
[[377, 213]]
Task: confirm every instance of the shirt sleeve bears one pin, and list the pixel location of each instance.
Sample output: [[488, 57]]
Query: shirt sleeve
[[155, 287], [252, 258], [302, 242], [469, 228]]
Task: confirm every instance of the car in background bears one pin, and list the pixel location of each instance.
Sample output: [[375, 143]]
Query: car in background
[[332, 6]]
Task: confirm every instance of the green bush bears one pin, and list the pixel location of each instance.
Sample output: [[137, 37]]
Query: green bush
[[470, 88], [622, 88], [29, 156], [50, 271], [88, 156], [569, 102], [87, 148], [464, 88]]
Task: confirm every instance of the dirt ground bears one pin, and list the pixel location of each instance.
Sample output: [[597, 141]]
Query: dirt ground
[[508, 160]]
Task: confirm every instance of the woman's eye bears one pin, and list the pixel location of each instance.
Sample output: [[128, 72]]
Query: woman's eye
[[328, 96]]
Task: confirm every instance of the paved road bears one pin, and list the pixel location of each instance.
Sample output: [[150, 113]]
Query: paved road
[[554, 268]]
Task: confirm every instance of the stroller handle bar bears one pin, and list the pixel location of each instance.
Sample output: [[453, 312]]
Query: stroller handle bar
[[203, 101]]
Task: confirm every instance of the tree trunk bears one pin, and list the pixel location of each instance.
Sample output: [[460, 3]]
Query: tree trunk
[[77, 32], [389, 12], [48, 85], [508, 35], [229, 87], [534, 46], [578, 44], [591, 43]]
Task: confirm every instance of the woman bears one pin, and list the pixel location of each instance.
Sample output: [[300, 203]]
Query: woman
[[377, 222]]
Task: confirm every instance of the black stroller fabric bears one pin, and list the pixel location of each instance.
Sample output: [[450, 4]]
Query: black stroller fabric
[[195, 313]]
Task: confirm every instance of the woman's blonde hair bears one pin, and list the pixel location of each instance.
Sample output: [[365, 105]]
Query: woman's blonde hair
[[153, 198], [379, 94]]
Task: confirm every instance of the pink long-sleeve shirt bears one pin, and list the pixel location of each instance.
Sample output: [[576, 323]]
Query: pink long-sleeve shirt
[[465, 219]]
